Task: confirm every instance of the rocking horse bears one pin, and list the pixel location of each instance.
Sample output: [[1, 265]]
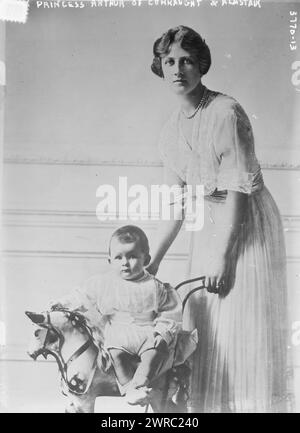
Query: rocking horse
[[86, 369]]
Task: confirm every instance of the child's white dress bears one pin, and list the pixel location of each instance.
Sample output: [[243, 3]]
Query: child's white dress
[[135, 310], [241, 360], [127, 314]]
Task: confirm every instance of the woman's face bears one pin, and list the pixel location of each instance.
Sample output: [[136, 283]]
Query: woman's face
[[181, 70]]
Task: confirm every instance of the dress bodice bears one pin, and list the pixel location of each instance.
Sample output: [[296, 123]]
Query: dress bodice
[[221, 155]]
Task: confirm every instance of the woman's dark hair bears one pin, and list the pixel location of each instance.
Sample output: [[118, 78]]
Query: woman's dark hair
[[189, 40], [130, 234]]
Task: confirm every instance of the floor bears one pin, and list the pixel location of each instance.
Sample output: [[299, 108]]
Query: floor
[[33, 387]]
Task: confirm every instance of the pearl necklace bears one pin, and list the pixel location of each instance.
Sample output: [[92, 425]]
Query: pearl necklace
[[198, 106]]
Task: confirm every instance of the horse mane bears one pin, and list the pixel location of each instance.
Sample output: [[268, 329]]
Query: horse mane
[[94, 323]]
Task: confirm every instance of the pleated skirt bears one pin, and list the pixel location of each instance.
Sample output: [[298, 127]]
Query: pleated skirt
[[241, 362]]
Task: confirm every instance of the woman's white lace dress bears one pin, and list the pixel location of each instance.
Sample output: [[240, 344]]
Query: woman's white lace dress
[[241, 361]]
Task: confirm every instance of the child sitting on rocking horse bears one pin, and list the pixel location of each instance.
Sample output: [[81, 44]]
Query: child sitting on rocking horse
[[143, 314]]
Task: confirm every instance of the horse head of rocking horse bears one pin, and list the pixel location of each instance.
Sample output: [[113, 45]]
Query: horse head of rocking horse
[[84, 365]]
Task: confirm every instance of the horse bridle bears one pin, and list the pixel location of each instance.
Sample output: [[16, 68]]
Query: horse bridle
[[77, 320]]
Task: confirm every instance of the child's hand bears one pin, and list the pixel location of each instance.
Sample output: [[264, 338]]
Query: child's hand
[[160, 343]]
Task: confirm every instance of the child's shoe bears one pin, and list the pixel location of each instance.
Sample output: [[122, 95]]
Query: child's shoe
[[138, 396]]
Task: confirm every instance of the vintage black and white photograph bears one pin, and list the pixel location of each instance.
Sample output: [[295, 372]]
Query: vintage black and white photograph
[[150, 227]]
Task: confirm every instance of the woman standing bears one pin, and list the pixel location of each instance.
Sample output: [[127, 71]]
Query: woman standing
[[240, 363]]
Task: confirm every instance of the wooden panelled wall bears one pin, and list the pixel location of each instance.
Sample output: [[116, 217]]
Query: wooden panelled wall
[[53, 239]]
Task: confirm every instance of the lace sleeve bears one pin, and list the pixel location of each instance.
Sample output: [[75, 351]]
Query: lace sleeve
[[234, 146]]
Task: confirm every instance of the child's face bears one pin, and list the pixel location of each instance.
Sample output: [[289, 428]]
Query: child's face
[[128, 260], [181, 70]]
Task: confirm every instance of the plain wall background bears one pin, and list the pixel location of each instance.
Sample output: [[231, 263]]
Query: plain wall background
[[79, 80]]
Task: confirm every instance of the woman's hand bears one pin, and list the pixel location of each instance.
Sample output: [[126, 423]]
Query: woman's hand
[[219, 276], [215, 278]]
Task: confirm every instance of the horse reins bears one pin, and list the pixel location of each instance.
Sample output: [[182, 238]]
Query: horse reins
[[63, 365]]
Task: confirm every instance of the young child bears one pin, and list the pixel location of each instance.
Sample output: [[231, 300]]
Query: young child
[[143, 314]]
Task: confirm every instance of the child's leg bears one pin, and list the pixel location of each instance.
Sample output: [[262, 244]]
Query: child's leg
[[123, 365], [151, 361]]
